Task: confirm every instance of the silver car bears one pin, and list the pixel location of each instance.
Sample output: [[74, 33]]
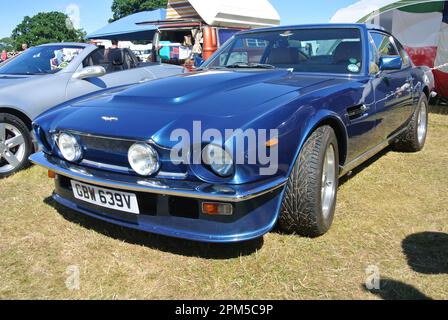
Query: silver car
[[48, 75]]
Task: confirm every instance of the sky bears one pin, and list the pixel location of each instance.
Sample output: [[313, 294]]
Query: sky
[[94, 14]]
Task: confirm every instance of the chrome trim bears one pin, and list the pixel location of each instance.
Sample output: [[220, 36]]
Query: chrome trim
[[369, 154], [162, 187], [84, 134], [161, 174], [178, 175], [100, 165]]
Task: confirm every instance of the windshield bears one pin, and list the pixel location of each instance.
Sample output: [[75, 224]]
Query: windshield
[[332, 50], [41, 60]]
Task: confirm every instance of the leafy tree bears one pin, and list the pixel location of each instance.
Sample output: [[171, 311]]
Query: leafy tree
[[46, 27], [123, 8], [7, 44]]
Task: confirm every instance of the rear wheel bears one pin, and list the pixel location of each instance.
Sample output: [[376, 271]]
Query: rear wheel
[[15, 145], [414, 138], [310, 199]]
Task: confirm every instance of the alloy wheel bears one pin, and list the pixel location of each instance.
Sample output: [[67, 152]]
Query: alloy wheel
[[12, 147], [329, 177]]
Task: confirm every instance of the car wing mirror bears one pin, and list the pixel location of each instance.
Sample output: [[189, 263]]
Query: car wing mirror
[[390, 63], [90, 72]]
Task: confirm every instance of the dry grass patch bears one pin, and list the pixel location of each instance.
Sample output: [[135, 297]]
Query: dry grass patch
[[392, 214]]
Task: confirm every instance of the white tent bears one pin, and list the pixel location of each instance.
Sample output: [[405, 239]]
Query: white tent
[[361, 9], [422, 26], [226, 13]]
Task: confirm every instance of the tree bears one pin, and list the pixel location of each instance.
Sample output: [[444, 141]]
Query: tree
[[7, 44], [46, 27], [123, 8]]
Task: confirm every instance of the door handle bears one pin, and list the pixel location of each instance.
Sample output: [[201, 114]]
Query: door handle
[[357, 112]]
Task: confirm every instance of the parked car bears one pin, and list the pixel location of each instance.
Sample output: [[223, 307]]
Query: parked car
[[335, 94], [48, 75]]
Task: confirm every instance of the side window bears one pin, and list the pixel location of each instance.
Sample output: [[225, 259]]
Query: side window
[[384, 44], [404, 55], [96, 58], [112, 60], [242, 51], [373, 57]]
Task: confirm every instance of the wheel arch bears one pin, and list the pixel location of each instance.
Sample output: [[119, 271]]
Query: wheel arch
[[426, 92], [19, 114], [335, 122], [341, 136]]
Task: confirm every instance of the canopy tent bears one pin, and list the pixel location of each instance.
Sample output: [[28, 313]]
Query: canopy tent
[[219, 13], [226, 13], [422, 27], [128, 29]]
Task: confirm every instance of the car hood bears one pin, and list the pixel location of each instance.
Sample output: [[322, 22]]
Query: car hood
[[219, 99]]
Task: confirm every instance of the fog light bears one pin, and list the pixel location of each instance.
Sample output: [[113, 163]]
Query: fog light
[[217, 209]]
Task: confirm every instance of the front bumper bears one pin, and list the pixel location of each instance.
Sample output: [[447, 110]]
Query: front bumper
[[256, 205]]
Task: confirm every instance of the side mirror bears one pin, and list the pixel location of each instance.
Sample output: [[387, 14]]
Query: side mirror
[[391, 63], [89, 72]]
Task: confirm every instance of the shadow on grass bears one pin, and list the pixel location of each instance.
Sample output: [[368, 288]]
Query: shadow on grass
[[365, 165], [158, 242], [396, 290], [439, 109], [426, 253]]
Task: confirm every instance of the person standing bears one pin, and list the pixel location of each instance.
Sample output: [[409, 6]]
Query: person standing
[[114, 44], [4, 56]]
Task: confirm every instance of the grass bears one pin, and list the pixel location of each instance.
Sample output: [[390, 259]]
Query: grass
[[391, 214]]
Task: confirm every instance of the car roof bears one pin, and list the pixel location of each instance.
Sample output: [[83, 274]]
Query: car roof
[[320, 25]]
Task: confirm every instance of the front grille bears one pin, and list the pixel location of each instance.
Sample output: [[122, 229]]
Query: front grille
[[111, 154], [105, 144], [104, 153]]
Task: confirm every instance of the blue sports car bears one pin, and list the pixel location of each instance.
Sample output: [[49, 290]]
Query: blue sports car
[[258, 136]]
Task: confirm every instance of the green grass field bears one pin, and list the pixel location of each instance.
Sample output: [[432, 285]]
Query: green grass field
[[391, 214]]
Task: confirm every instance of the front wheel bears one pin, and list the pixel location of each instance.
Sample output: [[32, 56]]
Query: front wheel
[[309, 202], [15, 145]]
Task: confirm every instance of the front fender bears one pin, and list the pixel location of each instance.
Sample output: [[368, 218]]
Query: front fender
[[319, 118]]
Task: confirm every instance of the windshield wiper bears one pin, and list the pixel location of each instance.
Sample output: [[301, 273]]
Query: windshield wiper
[[250, 66], [239, 66]]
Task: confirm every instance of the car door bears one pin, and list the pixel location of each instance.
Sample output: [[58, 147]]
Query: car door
[[117, 74], [393, 89], [361, 117]]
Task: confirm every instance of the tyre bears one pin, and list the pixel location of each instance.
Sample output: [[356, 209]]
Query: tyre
[[414, 138], [309, 202], [15, 145]]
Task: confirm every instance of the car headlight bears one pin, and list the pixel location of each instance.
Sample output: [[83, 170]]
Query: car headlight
[[143, 159], [69, 147], [219, 160]]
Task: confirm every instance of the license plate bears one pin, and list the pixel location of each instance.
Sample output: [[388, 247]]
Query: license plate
[[116, 200]]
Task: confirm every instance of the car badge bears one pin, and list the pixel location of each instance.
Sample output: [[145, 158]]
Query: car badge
[[109, 119]]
